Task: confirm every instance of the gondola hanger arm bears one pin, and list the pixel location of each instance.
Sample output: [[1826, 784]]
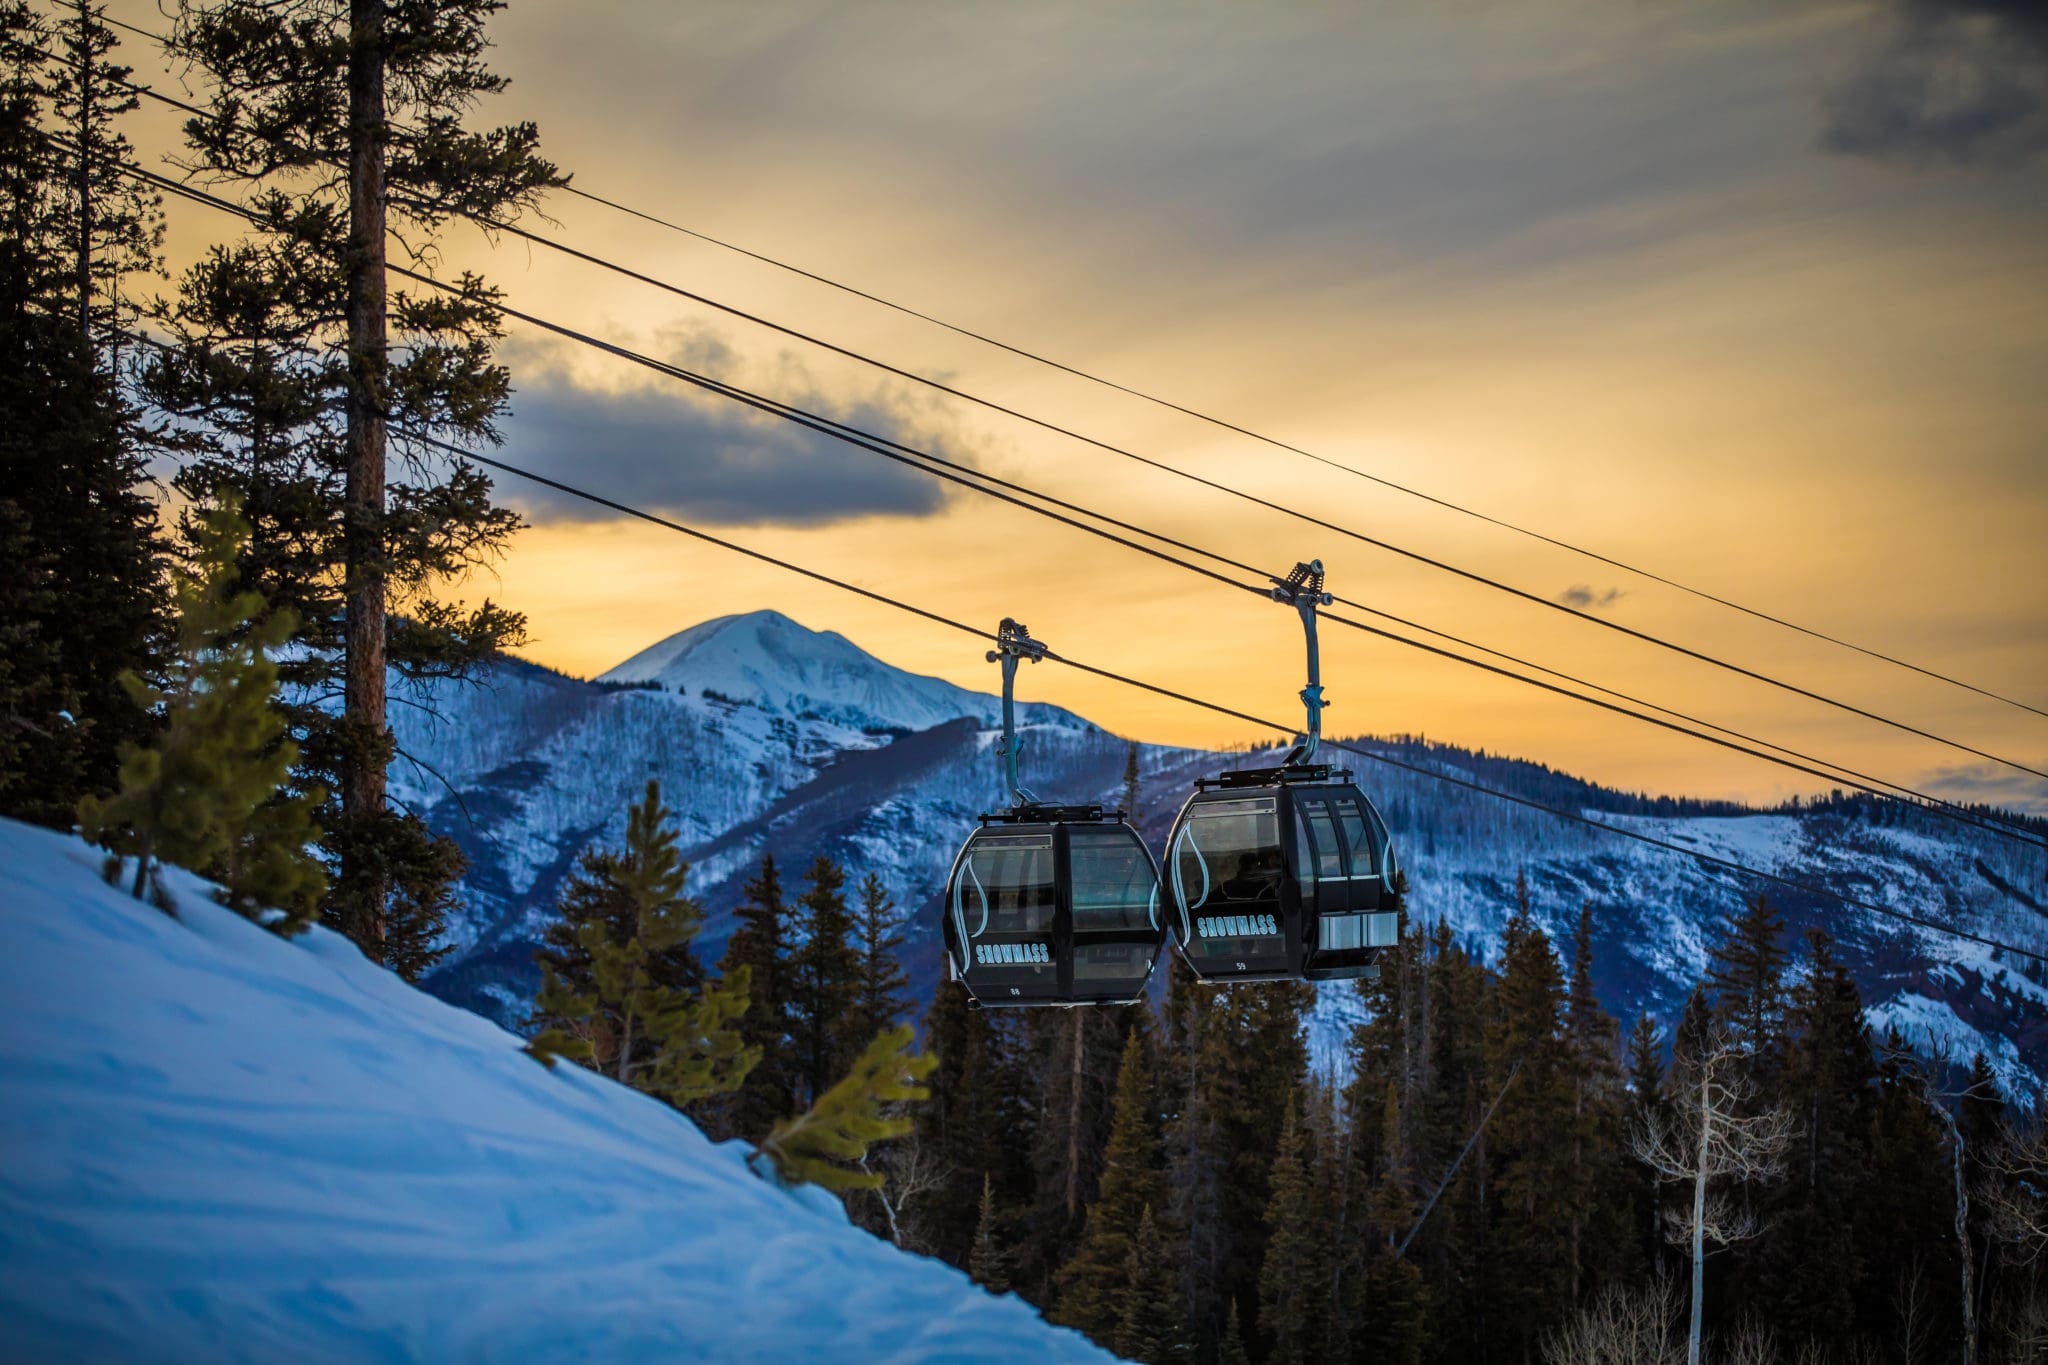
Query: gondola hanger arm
[[1013, 642]]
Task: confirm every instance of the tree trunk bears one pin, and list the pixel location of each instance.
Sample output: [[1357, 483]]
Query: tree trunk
[[1699, 1223], [84, 135], [1074, 1120], [362, 794]]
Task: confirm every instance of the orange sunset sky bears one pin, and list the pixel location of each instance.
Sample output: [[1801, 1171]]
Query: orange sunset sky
[[1752, 295]]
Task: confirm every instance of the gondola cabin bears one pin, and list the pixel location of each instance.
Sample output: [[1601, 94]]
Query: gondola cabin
[[1053, 905], [1282, 874]]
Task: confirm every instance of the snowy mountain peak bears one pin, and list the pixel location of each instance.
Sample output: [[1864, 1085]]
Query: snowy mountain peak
[[766, 659]]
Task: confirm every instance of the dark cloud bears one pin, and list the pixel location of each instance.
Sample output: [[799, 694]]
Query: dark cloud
[[675, 450], [1586, 597], [1960, 81]]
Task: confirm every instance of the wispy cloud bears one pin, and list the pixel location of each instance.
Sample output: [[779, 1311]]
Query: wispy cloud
[[1588, 598], [1991, 785]]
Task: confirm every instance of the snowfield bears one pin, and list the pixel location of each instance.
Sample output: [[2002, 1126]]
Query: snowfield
[[219, 1145]]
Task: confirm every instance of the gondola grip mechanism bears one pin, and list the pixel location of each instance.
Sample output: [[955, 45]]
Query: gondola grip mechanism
[[1303, 590], [1013, 642]]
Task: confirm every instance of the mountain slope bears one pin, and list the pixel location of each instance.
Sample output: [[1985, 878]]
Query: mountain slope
[[218, 1145], [814, 755]]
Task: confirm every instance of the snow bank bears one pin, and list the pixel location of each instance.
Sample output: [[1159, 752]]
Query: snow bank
[[217, 1145]]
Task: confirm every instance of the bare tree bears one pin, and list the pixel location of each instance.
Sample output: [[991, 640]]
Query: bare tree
[[909, 1172], [1942, 1106], [2013, 1198], [1623, 1326], [1752, 1344], [1910, 1300], [1711, 1136]]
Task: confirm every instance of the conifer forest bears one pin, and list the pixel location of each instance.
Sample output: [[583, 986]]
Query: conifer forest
[[260, 676]]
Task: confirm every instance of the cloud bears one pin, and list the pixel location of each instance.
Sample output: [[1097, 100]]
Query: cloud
[[669, 448], [1957, 81], [1990, 785], [1584, 596]]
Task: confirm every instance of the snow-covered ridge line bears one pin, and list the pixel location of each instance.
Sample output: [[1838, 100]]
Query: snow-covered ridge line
[[217, 1145]]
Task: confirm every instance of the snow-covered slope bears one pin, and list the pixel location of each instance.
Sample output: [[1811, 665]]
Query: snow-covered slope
[[789, 670], [216, 1145], [788, 741]]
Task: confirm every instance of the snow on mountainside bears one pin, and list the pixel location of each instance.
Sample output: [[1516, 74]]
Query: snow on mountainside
[[218, 1145], [786, 741], [788, 670]]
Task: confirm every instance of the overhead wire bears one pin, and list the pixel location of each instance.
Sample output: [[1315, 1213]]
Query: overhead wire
[[1111, 675], [1009, 491], [1416, 556]]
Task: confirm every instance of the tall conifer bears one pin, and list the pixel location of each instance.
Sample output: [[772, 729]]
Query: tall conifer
[[825, 979], [81, 596], [293, 366], [760, 944], [614, 1002], [1093, 1288]]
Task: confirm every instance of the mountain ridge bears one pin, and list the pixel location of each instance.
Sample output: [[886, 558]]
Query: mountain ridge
[[812, 752]]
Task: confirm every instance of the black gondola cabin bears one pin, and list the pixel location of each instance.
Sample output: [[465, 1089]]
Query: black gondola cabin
[[1053, 905], [1282, 874]]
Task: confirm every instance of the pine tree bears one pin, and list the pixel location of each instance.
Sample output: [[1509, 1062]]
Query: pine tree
[[1288, 1276], [1150, 1328], [1131, 783], [760, 946], [1529, 1140], [823, 1144], [1807, 1265], [1746, 981], [631, 921], [1230, 1343], [972, 1126], [1598, 1190], [881, 996], [110, 224], [825, 981], [293, 366], [82, 597], [1647, 1105], [987, 1266], [1093, 1287], [206, 795]]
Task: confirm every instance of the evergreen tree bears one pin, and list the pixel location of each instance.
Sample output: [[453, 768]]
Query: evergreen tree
[[1073, 1059], [825, 979], [1647, 1106], [108, 223], [1288, 1276], [1131, 783], [972, 1125], [1230, 1342], [293, 367], [612, 1003], [986, 1265], [1598, 1195], [82, 599], [1530, 1142], [760, 946], [1807, 1266], [205, 796], [1093, 1287], [1746, 981], [824, 1144], [881, 995], [1150, 1328], [601, 891]]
